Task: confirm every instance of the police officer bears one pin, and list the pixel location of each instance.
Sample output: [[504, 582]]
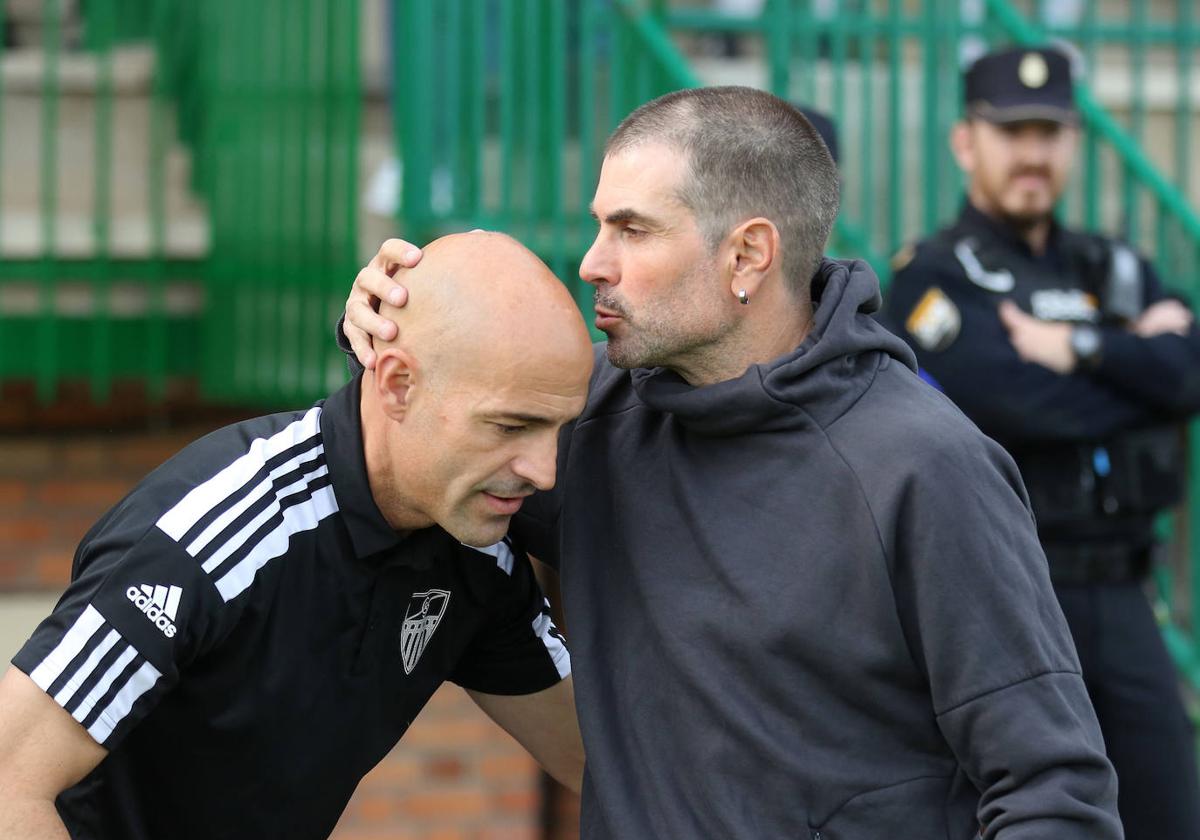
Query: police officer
[[1063, 346]]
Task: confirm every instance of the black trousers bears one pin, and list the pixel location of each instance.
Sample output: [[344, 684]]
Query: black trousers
[[1134, 687]]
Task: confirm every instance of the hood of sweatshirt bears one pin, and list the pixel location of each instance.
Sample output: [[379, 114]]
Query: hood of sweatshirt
[[816, 382]]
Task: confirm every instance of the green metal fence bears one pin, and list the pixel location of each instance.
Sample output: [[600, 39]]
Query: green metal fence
[[278, 91], [501, 109], [213, 151], [87, 282], [177, 194]]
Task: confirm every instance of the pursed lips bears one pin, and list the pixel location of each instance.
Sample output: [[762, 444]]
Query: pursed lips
[[605, 317]]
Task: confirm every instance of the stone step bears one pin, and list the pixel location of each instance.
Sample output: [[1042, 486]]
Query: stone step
[[124, 300], [130, 236], [75, 146]]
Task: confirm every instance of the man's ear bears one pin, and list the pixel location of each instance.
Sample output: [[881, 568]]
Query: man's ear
[[753, 253], [962, 145], [396, 376]]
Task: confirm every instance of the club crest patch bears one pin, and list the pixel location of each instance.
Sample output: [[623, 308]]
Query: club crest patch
[[421, 618], [935, 321]]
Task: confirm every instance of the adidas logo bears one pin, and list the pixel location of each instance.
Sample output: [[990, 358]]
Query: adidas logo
[[157, 603]]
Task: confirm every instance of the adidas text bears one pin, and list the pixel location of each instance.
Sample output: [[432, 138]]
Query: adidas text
[[153, 611]]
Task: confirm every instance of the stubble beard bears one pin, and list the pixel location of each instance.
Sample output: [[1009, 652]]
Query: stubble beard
[[668, 334], [1023, 221], [642, 347]]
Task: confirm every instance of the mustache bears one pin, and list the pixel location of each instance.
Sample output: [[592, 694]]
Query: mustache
[[509, 489], [1040, 171], [609, 302]]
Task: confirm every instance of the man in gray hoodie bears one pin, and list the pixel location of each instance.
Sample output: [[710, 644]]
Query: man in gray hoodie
[[805, 594]]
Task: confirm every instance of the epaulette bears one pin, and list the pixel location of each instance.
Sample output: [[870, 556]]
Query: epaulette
[[902, 257]]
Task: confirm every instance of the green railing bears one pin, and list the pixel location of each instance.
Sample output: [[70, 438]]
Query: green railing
[[526, 92], [91, 288], [278, 90], [178, 187], [501, 110]]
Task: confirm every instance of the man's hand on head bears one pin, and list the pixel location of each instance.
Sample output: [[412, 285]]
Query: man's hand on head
[[1045, 343], [374, 283]]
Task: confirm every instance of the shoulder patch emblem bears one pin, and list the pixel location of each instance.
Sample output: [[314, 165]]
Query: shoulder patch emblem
[[425, 611], [935, 321], [902, 258]]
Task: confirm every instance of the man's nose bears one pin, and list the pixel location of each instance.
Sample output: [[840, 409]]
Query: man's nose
[[1034, 150], [537, 463], [597, 263]]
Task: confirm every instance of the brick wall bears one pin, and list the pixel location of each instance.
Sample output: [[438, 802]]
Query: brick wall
[[54, 487], [455, 776]]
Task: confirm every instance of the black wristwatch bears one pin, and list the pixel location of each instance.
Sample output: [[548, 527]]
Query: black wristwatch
[[1086, 344]]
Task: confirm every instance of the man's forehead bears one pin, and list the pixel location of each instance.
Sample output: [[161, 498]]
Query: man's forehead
[[533, 402], [638, 179], [1035, 126], [526, 374]]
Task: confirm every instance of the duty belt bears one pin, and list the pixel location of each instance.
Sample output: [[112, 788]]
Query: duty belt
[[1096, 563]]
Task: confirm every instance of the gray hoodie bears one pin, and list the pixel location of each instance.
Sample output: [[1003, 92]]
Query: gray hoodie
[[809, 602]]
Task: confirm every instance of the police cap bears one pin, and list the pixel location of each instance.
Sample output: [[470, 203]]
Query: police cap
[[1021, 84]]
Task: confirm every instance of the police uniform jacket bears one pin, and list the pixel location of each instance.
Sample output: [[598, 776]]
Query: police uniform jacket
[[248, 637], [1095, 445]]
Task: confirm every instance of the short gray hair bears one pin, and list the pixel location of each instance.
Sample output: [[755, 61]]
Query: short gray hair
[[749, 154]]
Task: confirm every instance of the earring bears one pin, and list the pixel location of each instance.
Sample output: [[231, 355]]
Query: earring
[[742, 297]]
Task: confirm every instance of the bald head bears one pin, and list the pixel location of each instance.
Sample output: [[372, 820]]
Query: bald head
[[481, 300], [462, 413]]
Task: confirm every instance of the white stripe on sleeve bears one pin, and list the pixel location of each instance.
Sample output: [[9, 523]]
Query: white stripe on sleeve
[[57, 660], [101, 688], [143, 680], [85, 670]]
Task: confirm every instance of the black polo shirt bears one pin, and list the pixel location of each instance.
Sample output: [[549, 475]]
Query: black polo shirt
[[248, 637]]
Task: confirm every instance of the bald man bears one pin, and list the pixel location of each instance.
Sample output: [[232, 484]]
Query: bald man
[[255, 626]]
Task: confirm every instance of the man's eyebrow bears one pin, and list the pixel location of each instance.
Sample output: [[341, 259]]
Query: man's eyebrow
[[623, 215], [528, 419]]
